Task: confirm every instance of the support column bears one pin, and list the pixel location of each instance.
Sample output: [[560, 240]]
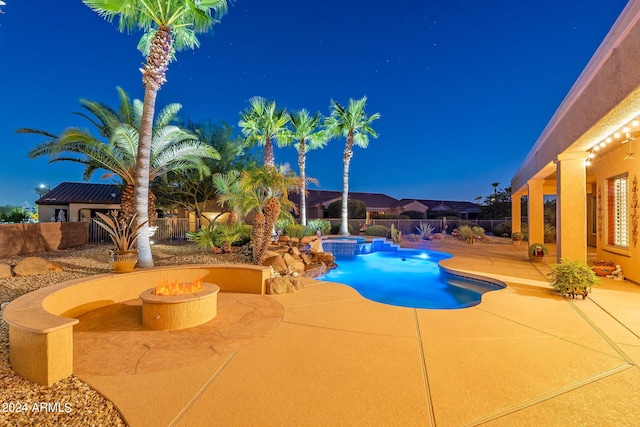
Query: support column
[[516, 213], [571, 227], [535, 208]]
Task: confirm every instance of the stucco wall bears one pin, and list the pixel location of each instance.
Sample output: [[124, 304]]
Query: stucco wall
[[605, 167], [20, 239]]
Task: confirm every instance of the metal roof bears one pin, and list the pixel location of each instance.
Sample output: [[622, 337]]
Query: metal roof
[[82, 192]]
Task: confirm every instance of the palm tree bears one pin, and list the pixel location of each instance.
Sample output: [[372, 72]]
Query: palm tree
[[173, 149], [495, 187], [263, 123], [308, 137], [353, 124], [169, 26], [229, 191], [264, 190]]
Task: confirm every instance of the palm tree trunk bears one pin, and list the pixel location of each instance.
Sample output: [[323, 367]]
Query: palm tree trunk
[[303, 183], [145, 259], [153, 77], [269, 157], [344, 218]]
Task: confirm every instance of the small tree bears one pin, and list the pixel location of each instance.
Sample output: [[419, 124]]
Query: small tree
[[356, 209]]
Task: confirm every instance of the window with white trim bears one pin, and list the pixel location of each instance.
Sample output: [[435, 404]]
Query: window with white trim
[[618, 210]]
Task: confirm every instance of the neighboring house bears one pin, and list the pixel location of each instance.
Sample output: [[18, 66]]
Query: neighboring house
[[77, 201], [585, 156], [318, 202]]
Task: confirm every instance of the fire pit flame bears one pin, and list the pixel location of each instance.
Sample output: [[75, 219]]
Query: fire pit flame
[[175, 288]]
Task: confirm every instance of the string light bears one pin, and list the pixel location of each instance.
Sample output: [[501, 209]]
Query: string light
[[624, 131]]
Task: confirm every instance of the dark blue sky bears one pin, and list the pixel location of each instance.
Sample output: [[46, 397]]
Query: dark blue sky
[[464, 87]]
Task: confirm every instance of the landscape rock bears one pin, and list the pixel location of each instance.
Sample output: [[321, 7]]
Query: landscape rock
[[308, 239], [323, 257], [315, 270], [280, 285], [277, 263], [316, 245], [294, 264], [32, 266], [294, 252], [437, 236], [5, 271]]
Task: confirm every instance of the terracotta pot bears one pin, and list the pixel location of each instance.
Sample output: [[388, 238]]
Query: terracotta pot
[[603, 270], [123, 261]]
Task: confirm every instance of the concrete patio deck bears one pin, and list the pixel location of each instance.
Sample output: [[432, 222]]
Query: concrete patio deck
[[523, 357]]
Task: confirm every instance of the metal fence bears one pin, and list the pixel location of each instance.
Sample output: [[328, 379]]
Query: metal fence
[[409, 226], [167, 229]]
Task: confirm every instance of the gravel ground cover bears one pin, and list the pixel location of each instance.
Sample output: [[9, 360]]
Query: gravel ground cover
[[71, 402]]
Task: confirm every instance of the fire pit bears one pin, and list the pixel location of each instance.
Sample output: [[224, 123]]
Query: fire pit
[[176, 305]]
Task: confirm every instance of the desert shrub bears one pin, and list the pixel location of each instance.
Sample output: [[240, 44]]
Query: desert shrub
[[414, 237], [549, 233], [572, 277], [218, 235], [295, 230], [425, 230], [377, 230], [478, 231], [356, 208], [247, 234], [319, 224], [335, 228], [283, 222], [502, 229], [466, 233]]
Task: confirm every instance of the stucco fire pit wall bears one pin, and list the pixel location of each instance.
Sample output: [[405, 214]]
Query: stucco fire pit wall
[[170, 312]]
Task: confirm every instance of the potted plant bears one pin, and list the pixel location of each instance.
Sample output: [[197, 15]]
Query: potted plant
[[537, 251], [572, 278], [124, 235], [516, 236], [603, 268]]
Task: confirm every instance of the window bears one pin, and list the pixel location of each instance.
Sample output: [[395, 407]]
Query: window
[[618, 210]]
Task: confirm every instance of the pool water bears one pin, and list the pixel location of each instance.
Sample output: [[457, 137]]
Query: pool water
[[409, 278]]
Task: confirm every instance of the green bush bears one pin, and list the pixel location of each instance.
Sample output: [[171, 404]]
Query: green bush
[[549, 233], [356, 208], [295, 230], [502, 229], [335, 228], [466, 234], [377, 230], [246, 236], [572, 278], [318, 224], [15, 215]]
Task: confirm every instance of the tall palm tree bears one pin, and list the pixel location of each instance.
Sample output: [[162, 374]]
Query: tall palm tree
[[169, 26], [495, 187], [264, 123], [116, 147], [353, 124], [307, 137]]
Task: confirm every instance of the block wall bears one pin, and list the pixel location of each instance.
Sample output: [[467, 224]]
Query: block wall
[[23, 239]]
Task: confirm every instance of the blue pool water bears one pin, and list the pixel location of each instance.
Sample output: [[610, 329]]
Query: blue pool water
[[409, 278]]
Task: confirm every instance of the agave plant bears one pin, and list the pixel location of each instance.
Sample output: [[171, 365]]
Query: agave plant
[[123, 233]]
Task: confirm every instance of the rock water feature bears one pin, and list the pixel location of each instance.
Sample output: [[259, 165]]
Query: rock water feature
[[292, 258]]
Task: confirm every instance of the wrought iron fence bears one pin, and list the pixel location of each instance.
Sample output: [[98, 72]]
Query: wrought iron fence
[[167, 229]]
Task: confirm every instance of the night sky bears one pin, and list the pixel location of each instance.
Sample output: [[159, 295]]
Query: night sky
[[464, 88]]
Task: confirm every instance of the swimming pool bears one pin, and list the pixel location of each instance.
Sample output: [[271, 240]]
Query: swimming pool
[[409, 278]]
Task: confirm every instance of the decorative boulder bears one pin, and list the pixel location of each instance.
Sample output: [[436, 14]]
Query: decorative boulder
[[316, 246], [280, 285], [277, 263], [294, 252], [437, 236], [324, 257], [32, 266], [5, 271], [308, 239], [293, 264]]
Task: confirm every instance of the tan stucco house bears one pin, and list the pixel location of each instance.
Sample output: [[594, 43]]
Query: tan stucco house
[[585, 156]]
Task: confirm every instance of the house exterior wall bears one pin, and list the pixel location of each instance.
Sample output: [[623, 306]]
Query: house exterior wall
[[606, 167]]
